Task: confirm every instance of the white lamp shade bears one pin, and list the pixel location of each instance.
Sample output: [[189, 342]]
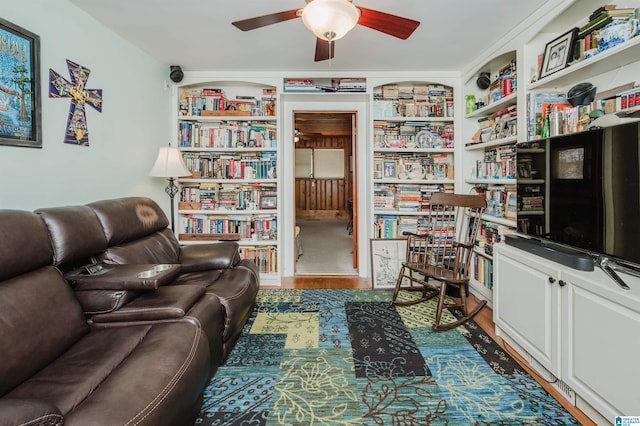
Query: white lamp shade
[[169, 164], [330, 19]]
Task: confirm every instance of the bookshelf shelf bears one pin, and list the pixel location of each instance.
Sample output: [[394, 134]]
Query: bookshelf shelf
[[500, 220], [412, 119], [214, 119], [492, 143], [417, 150], [234, 159], [400, 213], [496, 106], [415, 181], [491, 181], [618, 56]]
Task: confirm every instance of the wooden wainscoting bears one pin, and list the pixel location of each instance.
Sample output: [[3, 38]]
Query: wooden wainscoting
[[321, 199]]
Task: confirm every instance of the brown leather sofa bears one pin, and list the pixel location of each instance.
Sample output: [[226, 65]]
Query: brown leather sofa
[[56, 368], [133, 230], [132, 340]]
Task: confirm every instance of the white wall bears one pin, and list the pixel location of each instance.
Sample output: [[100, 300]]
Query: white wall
[[124, 138]]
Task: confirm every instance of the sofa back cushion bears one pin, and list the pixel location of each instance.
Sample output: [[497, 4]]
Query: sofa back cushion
[[39, 316], [136, 232], [128, 219], [24, 243], [75, 231], [159, 247]]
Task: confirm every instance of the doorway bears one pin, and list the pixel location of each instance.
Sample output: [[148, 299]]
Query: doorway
[[325, 192]]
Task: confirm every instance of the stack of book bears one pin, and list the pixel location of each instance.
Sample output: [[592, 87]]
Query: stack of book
[[300, 85], [408, 198], [349, 84], [384, 197], [589, 33]]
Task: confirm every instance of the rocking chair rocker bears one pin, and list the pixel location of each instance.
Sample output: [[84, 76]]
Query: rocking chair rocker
[[443, 254]]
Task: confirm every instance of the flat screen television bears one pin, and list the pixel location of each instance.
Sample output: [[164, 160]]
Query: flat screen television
[[583, 191]]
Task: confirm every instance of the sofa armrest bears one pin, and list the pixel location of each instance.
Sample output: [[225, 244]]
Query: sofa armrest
[[203, 257], [29, 412], [124, 277]]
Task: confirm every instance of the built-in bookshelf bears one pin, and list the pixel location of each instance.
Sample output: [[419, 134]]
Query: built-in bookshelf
[[228, 135], [413, 153], [491, 132]]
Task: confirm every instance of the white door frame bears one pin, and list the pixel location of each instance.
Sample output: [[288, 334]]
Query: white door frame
[[361, 107]]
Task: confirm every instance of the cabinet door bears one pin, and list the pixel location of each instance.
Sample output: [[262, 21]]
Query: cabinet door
[[602, 328], [526, 305]]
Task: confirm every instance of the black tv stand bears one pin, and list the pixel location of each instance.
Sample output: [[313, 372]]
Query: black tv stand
[[559, 254]]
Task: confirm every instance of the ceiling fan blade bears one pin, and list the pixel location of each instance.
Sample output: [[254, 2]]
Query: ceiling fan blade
[[387, 23], [324, 49], [264, 20]]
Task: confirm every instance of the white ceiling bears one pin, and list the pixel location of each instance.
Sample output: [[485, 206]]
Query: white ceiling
[[198, 35]]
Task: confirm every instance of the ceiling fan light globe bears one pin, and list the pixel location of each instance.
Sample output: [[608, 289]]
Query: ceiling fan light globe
[[330, 19]]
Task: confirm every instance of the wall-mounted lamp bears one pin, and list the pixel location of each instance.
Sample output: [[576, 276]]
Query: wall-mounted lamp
[[170, 165]]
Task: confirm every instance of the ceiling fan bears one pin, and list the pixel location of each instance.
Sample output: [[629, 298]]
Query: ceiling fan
[[330, 20]]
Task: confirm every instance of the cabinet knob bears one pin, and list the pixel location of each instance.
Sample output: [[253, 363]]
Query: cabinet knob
[[562, 283], [552, 280]]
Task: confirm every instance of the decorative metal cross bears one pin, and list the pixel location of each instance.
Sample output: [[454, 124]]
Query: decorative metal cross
[[76, 132]]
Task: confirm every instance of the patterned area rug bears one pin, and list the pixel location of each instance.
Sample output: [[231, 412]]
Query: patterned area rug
[[347, 357]]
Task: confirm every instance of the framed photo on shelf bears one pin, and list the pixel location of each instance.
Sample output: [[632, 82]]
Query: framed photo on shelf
[[389, 169], [387, 255], [20, 87], [269, 202], [524, 170], [558, 53]]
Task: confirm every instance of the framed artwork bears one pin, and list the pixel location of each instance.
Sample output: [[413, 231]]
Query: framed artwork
[[387, 255], [269, 202], [19, 87], [558, 53]]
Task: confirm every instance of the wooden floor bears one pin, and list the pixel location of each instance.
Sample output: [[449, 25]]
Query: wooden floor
[[484, 319]]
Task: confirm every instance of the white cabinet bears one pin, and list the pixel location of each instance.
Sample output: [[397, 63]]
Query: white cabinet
[[581, 326], [526, 304], [601, 335]]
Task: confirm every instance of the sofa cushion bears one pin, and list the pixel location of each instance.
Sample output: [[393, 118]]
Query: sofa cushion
[[75, 232], [130, 218], [236, 288], [151, 374], [24, 243], [29, 412], [40, 319]]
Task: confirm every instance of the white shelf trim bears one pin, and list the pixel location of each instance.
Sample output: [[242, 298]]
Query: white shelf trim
[[492, 143]]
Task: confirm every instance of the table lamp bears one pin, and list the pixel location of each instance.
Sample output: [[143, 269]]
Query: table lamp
[[170, 165]]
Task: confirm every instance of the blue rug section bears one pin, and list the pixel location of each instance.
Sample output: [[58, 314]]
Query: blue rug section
[[370, 367]]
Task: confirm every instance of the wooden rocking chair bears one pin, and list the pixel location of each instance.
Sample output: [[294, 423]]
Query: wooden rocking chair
[[443, 254]]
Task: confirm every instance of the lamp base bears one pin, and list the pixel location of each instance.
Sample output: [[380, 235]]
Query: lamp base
[[171, 191]]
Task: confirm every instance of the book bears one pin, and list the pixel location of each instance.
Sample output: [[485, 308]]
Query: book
[[600, 22], [600, 10]]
